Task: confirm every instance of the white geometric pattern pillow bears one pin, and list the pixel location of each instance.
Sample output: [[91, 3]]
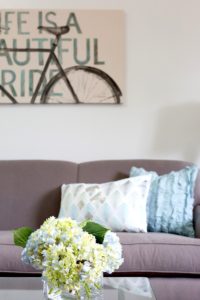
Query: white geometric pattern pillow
[[118, 205]]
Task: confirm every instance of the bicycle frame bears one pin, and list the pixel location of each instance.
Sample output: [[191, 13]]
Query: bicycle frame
[[52, 56]]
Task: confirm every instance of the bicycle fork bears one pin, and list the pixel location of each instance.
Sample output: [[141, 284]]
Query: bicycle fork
[[66, 80]]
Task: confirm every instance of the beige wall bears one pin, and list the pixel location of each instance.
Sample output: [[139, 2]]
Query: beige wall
[[161, 114]]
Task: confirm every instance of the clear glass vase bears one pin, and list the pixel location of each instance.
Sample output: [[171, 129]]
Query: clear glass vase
[[52, 294]]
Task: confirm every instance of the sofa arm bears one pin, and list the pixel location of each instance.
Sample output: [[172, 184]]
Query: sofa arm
[[197, 221]]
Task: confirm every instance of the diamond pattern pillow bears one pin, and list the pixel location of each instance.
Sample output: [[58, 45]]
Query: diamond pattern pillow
[[119, 205]]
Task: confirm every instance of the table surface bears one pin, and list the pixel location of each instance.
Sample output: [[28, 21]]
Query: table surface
[[115, 288]]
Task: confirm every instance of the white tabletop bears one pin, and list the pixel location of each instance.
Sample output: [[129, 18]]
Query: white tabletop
[[115, 288]]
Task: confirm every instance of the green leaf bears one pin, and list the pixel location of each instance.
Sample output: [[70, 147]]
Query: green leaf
[[97, 230], [21, 236]]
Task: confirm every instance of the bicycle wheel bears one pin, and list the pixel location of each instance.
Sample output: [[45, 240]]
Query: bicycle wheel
[[88, 84]]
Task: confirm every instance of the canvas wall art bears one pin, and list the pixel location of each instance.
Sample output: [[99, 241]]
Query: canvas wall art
[[61, 56]]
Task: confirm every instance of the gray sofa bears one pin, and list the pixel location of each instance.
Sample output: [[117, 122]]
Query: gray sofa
[[30, 192]]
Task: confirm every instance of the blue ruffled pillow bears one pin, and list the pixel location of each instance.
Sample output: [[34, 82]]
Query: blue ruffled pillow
[[170, 200]]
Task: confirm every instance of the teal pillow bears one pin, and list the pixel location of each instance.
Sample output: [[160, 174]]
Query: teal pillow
[[170, 201]]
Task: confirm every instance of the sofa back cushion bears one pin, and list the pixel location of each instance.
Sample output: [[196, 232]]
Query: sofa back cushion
[[30, 191], [108, 170]]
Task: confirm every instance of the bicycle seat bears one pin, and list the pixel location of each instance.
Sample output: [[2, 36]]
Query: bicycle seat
[[55, 30]]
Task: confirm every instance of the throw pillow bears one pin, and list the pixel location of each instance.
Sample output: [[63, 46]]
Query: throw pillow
[[119, 205], [170, 200]]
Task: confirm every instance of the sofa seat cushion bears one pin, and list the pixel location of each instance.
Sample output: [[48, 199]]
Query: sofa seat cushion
[[10, 255], [160, 253], [6, 237], [176, 288]]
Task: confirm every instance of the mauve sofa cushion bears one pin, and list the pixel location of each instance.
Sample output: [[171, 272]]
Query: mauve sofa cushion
[[176, 288], [161, 253], [30, 191], [6, 237], [10, 255], [143, 253]]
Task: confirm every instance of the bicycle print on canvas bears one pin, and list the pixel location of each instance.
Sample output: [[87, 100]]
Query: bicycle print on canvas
[[51, 57]]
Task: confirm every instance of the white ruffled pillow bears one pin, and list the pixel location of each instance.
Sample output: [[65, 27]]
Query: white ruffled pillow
[[118, 205]]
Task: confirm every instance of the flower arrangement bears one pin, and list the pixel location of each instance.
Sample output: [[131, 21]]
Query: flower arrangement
[[71, 256]]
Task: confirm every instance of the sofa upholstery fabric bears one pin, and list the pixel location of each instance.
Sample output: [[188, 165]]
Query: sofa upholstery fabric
[[6, 237], [176, 288], [30, 191], [143, 252], [197, 221], [10, 255], [161, 253]]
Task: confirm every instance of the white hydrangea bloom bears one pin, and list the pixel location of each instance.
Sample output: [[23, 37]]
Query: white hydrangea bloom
[[70, 257], [113, 250]]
